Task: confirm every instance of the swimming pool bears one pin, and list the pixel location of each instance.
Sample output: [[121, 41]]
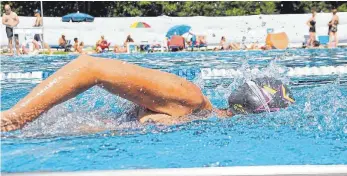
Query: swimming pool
[[313, 131]]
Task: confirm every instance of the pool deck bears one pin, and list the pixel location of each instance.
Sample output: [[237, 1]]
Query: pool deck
[[283, 170]]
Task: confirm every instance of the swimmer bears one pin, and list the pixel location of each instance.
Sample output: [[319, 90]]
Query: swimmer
[[163, 97]]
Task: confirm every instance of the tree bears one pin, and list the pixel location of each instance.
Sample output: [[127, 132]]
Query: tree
[[172, 8]]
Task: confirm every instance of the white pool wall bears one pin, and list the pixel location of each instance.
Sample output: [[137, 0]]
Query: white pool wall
[[234, 28]]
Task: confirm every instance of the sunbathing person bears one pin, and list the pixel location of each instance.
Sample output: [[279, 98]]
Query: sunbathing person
[[223, 45], [200, 40], [101, 44], [36, 47], [235, 46], [76, 44], [120, 49], [124, 48], [78, 47], [161, 97], [253, 46], [266, 47], [62, 41], [26, 49]]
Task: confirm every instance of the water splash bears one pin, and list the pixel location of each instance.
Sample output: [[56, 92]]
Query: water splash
[[92, 111]]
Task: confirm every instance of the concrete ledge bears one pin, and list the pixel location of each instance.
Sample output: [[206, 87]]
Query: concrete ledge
[[285, 170]]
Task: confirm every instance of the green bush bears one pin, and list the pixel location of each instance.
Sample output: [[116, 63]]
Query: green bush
[[173, 8]]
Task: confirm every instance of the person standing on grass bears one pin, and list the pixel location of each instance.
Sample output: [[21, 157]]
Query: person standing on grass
[[10, 19]]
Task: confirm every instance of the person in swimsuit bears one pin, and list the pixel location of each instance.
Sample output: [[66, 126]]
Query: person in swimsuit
[[78, 46], [333, 29], [124, 48], [102, 44], [312, 24], [163, 97], [222, 44], [10, 20], [38, 23], [62, 41]]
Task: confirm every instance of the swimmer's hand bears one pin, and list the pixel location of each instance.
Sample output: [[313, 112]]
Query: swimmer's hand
[[9, 122], [222, 113]]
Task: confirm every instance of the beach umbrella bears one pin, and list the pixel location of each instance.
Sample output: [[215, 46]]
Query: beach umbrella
[[178, 30], [140, 25], [77, 17]]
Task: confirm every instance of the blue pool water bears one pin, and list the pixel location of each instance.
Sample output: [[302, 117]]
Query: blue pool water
[[313, 131]]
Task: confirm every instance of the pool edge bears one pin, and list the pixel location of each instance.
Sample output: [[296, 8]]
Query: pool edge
[[287, 170]]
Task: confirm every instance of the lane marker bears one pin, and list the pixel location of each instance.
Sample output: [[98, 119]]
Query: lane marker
[[207, 73]]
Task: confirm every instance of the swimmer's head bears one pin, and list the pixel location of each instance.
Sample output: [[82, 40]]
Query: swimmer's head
[[250, 99]]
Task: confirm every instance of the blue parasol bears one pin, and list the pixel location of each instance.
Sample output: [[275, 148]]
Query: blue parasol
[[77, 17], [178, 30]]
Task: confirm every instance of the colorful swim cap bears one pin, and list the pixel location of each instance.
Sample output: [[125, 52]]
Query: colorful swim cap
[[260, 95]]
